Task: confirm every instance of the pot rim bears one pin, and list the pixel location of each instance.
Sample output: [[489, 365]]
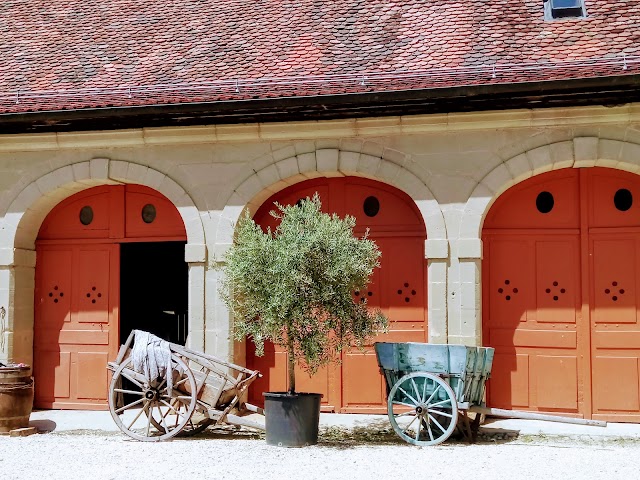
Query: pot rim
[[290, 395]]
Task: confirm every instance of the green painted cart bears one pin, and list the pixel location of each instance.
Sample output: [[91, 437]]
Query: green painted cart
[[431, 387]]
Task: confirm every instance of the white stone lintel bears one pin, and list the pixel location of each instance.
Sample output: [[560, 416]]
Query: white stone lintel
[[436, 248], [195, 253], [469, 248]]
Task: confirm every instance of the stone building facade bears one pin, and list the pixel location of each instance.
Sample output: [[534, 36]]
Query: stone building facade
[[217, 111], [454, 167]]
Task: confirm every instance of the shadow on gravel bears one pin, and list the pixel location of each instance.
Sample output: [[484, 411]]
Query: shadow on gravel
[[226, 433], [43, 426], [383, 434]]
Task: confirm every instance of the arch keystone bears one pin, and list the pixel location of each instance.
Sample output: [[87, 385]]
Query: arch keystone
[[585, 151]]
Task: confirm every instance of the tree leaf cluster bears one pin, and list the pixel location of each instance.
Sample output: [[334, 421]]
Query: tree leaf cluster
[[294, 286]]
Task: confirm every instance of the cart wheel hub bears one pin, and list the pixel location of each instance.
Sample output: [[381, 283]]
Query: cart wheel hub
[[419, 410], [150, 394]]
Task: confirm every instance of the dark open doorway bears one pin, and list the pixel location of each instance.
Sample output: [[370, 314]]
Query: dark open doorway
[[154, 290]]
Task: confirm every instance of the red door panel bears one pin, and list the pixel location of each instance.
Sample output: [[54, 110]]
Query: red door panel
[[556, 382], [402, 282], [91, 289], [363, 386], [52, 369], [582, 347], [67, 324], [615, 385], [509, 380], [510, 285], [615, 329], [113, 213], [398, 288], [607, 187], [533, 303], [91, 375], [272, 366], [150, 214], [517, 208], [558, 282], [71, 355], [65, 222], [614, 284]]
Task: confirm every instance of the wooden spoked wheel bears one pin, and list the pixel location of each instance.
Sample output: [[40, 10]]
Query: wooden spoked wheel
[[198, 422], [150, 414], [422, 409]]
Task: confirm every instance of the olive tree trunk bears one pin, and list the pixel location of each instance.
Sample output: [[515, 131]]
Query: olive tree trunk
[[291, 365]]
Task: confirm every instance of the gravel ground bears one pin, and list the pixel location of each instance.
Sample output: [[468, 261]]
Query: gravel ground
[[95, 455]]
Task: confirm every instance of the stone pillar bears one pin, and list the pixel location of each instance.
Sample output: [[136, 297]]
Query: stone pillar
[[6, 333], [196, 256], [219, 325], [17, 282], [465, 294], [437, 253]]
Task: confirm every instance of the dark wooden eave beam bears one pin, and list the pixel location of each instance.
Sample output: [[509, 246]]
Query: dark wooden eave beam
[[609, 91]]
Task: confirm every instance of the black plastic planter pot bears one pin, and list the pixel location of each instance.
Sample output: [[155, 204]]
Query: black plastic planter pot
[[292, 418]]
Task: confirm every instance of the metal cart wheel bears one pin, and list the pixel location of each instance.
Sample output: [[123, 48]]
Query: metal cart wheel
[[422, 409], [152, 404]]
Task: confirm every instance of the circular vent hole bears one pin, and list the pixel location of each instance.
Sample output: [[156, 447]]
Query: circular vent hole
[[148, 213], [623, 199], [86, 215], [544, 202], [371, 206]]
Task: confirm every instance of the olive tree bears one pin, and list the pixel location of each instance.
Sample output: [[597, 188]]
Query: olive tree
[[294, 286]]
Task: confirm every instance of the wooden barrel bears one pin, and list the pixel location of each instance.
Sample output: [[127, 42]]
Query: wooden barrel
[[16, 397]]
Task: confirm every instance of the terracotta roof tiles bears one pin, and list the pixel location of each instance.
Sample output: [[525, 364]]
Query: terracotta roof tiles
[[89, 53]]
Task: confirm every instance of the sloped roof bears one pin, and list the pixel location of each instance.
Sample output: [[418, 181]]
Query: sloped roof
[[90, 53]]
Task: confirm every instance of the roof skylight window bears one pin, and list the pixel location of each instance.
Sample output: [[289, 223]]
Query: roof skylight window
[[554, 9]]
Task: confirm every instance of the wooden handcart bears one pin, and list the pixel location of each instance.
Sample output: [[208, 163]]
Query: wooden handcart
[[431, 388], [205, 391]]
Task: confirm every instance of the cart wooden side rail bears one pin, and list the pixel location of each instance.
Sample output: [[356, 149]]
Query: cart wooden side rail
[[431, 387], [206, 391]]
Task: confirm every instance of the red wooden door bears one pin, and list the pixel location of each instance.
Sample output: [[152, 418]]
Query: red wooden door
[[615, 326], [534, 300], [614, 268], [559, 250], [76, 326], [398, 288]]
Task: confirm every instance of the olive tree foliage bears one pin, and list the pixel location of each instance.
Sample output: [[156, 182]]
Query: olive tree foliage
[[294, 286]]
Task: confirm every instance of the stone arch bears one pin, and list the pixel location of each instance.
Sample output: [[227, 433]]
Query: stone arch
[[278, 175], [27, 211], [580, 152], [29, 208], [266, 181]]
